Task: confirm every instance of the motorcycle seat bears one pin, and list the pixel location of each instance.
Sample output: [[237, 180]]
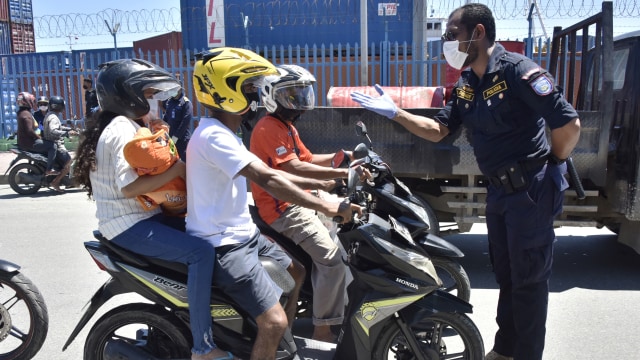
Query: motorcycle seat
[[29, 154], [287, 244], [279, 275], [137, 259]]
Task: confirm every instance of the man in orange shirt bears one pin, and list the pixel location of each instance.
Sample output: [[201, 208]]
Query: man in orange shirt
[[275, 141]]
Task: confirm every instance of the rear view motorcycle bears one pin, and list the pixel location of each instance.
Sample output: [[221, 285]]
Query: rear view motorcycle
[[27, 173], [396, 308], [24, 320]]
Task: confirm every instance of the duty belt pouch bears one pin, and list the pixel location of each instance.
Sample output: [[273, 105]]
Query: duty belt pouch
[[512, 178]]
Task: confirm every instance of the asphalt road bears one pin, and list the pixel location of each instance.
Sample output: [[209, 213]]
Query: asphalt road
[[594, 304]]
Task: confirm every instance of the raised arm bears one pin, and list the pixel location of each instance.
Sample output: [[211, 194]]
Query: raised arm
[[422, 126]]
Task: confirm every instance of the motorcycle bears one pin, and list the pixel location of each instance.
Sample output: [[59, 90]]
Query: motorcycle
[[26, 178], [392, 197], [396, 309], [24, 319]]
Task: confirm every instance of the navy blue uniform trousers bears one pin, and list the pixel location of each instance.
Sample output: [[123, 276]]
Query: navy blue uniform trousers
[[521, 236]]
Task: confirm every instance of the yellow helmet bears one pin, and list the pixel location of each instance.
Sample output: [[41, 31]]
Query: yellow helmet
[[219, 75]]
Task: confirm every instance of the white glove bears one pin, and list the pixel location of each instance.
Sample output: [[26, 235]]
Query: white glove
[[382, 105]]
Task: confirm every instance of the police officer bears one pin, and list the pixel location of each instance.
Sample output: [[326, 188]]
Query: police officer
[[178, 113], [505, 99]]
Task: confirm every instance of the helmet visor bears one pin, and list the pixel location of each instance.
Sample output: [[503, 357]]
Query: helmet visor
[[295, 96], [161, 90]]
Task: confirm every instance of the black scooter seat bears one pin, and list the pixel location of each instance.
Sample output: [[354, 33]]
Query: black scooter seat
[[278, 274]]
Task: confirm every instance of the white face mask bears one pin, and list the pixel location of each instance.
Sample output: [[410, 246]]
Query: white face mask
[[43, 108], [456, 58]]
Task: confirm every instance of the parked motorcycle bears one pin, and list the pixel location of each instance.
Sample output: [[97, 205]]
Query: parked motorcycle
[[24, 320], [396, 309], [28, 177]]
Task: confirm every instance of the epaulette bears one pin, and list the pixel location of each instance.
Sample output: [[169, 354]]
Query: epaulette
[[513, 58]]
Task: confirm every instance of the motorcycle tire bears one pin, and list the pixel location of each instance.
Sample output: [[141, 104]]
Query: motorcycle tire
[[24, 320], [24, 188], [435, 335], [166, 337], [454, 278]]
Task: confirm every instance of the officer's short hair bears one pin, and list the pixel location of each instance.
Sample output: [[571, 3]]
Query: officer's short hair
[[474, 14]]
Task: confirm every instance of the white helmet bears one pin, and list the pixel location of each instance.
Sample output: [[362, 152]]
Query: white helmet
[[291, 89]]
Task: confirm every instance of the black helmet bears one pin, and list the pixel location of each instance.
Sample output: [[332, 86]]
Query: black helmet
[[121, 84], [56, 103], [42, 100]]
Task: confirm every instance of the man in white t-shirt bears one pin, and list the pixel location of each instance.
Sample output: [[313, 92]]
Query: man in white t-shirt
[[225, 82]]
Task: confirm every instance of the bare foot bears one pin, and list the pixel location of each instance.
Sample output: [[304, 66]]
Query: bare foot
[[56, 188], [323, 333]]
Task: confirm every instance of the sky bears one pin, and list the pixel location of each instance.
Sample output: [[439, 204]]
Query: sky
[[49, 7], [506, 29]]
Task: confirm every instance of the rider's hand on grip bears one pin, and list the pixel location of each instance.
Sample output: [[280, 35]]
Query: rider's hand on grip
[[346, 212]]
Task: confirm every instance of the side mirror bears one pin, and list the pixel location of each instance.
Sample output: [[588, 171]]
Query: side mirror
[[361, 129]]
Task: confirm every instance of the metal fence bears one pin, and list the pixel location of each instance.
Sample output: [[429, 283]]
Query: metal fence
[[396, 64]]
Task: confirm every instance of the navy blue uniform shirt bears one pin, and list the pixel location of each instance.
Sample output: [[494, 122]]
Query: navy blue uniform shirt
[[178, 114], [506, 110]]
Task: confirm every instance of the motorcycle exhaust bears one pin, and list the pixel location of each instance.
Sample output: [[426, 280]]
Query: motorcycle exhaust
[[29, 179]]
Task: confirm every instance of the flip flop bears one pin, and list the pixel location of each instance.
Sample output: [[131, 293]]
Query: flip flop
[[229, 356], [56, 188]]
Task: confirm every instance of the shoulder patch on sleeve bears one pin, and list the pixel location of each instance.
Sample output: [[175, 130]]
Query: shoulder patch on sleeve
[[542, 85], [281, 150]]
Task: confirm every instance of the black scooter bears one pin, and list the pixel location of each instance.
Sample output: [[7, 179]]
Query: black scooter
[[396, 309], [27, 173]]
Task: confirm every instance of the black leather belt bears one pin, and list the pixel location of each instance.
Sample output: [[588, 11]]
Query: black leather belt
[[533, 164], [503, 178]]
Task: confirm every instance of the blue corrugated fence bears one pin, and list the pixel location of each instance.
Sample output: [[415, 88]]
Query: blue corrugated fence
[[61, 73]]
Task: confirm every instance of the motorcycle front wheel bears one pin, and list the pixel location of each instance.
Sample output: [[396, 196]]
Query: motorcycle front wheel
[[440, 336], [25, 178], [454, 279], [138, 329], [24, 320]]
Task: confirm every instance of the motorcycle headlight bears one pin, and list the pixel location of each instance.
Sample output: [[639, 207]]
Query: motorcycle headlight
[[418, 261]]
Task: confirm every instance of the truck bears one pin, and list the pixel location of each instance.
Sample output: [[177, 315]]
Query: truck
[[600, 79]]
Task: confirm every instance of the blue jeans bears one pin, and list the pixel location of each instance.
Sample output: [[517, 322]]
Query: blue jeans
[[151, 237]]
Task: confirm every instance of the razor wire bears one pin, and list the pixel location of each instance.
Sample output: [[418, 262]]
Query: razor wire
[[131, 22], [275, 13]]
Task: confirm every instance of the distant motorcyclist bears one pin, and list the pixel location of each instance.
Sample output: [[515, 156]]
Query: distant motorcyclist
[[54, 131], [29, 135], [41, 112]]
